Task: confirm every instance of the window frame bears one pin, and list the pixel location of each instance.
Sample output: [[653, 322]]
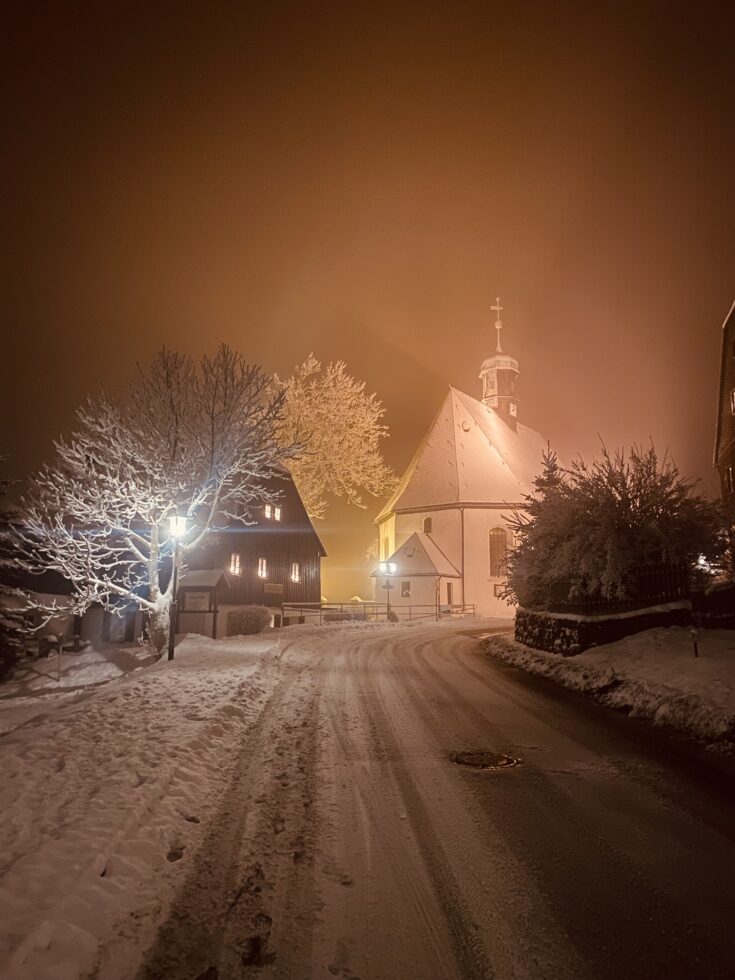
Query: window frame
[[235, 563], [262, 568], [497, 569], [295, 572]]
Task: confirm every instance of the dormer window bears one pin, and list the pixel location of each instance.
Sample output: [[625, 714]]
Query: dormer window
[[262, 568], [235, 564], [269, 511], [276, 513]]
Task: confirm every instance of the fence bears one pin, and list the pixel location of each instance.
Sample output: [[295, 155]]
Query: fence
[[651, 585], [715, 609], [344, 612]]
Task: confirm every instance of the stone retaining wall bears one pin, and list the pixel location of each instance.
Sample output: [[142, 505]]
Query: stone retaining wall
[[570, 635]]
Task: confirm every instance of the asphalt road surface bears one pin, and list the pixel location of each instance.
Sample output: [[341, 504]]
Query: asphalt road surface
[[351, 844]]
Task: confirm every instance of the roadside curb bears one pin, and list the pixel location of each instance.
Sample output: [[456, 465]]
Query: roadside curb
[[663, 707]]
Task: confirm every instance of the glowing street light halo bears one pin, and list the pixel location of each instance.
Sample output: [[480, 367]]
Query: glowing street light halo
[[177, 525]]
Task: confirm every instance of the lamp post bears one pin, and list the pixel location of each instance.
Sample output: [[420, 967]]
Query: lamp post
[[177, 525], [388, 568]]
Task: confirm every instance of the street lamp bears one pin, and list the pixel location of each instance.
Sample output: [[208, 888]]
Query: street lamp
[[177, 526], [388, 568]]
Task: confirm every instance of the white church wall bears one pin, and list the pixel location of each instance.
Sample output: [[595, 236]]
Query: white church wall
[[479, 584], [387, 538], [445, 531]]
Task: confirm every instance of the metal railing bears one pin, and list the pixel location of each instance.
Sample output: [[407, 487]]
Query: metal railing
[[347, 612]]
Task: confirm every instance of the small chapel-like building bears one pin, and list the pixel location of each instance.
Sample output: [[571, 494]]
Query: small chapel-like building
[[445, 530]]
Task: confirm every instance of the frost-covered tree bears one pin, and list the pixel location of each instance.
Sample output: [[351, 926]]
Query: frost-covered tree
[[585, 530], [340, 428], [191, 440]]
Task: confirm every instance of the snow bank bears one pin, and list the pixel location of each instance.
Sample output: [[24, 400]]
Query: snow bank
[[40, 684], [652, 675]]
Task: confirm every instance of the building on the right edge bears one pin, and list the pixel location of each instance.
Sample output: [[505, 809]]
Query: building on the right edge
[[725, 432]]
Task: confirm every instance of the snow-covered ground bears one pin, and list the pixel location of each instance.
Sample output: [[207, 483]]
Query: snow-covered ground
[[109, 775], [288, 805], [652, 675]]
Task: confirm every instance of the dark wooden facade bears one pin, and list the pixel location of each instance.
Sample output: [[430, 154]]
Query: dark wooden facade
[[281, 543], [725, 434]]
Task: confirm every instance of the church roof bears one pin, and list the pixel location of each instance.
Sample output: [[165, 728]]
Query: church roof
[[468, 456], [419, 556]]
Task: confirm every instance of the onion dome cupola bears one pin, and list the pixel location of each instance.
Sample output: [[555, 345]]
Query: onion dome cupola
[[499, 376]]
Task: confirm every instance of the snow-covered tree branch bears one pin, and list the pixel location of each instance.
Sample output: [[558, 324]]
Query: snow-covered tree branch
[[196, 440], [339, 425]]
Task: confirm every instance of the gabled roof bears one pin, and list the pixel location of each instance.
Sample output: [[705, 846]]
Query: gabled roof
[[721, 400], [421, 556], [468, 456]]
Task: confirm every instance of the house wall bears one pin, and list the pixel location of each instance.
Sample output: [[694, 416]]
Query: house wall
[[280, 549], [423, 591]]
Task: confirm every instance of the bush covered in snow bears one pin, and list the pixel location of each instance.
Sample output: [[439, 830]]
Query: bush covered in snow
[[247, 620], [588, 530]]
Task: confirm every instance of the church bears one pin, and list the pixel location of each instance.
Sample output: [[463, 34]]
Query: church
[[444, 535]]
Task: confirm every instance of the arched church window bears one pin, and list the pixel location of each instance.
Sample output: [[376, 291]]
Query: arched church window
[[498, 551], [427, 525]]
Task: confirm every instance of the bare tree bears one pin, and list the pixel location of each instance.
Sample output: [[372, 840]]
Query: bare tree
[[198, 441], [329, 413]]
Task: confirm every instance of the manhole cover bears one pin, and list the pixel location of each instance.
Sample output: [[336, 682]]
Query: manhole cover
[[483, 760]]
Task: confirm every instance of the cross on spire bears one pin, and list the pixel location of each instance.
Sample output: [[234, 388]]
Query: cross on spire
[[498, 322]]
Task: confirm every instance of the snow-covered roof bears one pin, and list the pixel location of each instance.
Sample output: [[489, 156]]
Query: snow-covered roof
[[204, 578], [468, 456], [419, 556]]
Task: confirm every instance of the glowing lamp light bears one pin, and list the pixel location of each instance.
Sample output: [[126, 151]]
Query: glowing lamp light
[[387, 567], [177, 525]]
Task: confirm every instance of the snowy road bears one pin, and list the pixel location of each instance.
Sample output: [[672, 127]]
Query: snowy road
[[337, 838]]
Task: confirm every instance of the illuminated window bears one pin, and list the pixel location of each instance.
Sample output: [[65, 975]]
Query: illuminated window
[[268, 511], [730, 479], [498, 551], [427, 525], [235, 566], [732, 401], [277, 513], [295, 572], [262, 568], [405, 590]]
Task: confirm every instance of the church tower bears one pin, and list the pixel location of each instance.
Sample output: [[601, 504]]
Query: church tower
[[499, 375]]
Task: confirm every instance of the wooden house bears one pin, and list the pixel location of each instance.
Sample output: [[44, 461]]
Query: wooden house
[[273, 559]]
